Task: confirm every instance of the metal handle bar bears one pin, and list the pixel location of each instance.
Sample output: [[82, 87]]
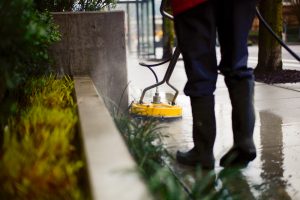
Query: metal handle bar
[[173, 60], [163, 12], [156, 64], [166, 78]]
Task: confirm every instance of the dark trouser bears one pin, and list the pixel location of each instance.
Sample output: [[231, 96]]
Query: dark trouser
[[196, 33]]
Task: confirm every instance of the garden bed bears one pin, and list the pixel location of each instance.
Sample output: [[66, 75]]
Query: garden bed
[[144, 138], [41, 157], [283, 76]]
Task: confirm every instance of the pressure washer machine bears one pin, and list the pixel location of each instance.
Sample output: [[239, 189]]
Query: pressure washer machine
[[157, 108]]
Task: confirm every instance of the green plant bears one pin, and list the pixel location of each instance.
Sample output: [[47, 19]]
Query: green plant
[[144, 140], [55, 5], [73, 5], [142, 135], [26, 35], [49, 91], [38, 159], [91, 5], [164, 185]]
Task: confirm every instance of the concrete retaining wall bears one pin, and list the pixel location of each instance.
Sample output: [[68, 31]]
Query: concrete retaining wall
[[93, 43], [93, 51], [112, 171]]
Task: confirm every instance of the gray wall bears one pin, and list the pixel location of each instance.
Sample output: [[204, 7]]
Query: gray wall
[[93, 43]]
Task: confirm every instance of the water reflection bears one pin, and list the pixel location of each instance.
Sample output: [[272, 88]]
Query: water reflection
[[263, 179], [272, 157], [235, 184]]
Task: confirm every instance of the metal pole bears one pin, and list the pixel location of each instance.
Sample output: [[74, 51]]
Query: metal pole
[[142, 28], [153, 27], [128, 26], [148, 29], [138, 27]]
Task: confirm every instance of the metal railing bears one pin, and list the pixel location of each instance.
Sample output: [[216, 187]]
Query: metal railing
[[140, 26]]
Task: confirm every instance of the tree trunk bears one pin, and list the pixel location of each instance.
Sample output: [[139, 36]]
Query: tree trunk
[[269, 52]]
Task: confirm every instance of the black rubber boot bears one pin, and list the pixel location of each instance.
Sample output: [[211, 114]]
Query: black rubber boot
[[204, 134], [241, 93]]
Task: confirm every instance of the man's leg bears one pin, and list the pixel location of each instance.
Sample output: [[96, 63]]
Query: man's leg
[[196, 35], [234, 21]]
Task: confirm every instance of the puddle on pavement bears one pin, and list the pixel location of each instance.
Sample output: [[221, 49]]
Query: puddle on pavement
[[272, 175]]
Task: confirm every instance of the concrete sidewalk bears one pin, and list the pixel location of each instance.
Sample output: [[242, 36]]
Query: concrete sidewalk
[[274, 174]]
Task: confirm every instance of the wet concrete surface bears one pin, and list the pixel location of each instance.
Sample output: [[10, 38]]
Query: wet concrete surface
[[274, 174]]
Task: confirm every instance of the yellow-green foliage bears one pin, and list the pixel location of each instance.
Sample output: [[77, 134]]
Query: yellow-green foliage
[[51, 92], [38, 158]]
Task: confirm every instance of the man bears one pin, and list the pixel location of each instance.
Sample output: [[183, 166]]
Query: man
[[196, 25]]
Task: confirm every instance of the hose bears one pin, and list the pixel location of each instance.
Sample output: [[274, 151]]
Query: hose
[[267, 26]]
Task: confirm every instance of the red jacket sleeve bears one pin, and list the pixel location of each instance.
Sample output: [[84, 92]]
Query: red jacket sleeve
[[180, 6]]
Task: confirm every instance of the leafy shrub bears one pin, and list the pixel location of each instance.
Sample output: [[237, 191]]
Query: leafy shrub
[[91, 5], [144, 141], [25, 37], [73, 5], [50, 92], [55, 5], [38, 159]]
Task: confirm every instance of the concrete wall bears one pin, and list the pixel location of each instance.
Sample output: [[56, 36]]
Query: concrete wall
[[112, 170], [93, 43]]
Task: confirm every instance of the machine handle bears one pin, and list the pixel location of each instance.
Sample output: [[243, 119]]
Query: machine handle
[[163, 12]]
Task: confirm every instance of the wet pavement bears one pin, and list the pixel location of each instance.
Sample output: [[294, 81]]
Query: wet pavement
[[274, 174]]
